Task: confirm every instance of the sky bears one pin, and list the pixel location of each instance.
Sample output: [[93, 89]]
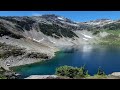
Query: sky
[[78, 16]]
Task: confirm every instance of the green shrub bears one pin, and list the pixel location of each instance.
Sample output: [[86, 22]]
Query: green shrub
[[100, 71], [2, 76], [82, 72], [112, 26], [100, 74], [72, 72]]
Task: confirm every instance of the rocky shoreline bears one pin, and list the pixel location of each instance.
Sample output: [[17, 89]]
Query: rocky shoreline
[[11, 56], [42, 77], [114, 75], [18, 61]]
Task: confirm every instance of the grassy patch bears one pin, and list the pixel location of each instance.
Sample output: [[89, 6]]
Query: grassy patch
[[115, 32], [3, 77], [112, 39], [97, 77], [112, 26]]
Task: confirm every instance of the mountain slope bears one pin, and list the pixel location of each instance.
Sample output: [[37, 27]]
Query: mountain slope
[[44, 35]]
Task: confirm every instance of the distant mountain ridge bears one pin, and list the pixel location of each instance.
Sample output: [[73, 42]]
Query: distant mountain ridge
[[52, 25]]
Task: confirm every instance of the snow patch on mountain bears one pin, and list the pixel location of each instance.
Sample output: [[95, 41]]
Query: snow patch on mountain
[[100, 22], [52, 41], [87, 36], [72, 24], [38, 40], [85, 39], [61, 18]]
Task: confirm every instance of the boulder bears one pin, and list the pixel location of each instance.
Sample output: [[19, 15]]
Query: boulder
[[116, 74]]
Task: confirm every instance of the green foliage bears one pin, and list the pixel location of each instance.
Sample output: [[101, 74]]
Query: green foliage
[[115, 32], [82, 72], [100, 71], [112, 39], [99, 75], [5, 74], [96, 32], [2, 76], [65, 71], [71, 72], [112, 26], [77, 73]]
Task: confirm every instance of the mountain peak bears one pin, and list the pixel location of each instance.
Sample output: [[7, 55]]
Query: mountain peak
[[49, 15], [100, 20], [54, 18]]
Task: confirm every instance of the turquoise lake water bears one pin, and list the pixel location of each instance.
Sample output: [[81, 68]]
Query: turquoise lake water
[[107, 57]]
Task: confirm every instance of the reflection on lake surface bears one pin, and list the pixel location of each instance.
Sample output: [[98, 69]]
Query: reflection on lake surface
[[108, 57]]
